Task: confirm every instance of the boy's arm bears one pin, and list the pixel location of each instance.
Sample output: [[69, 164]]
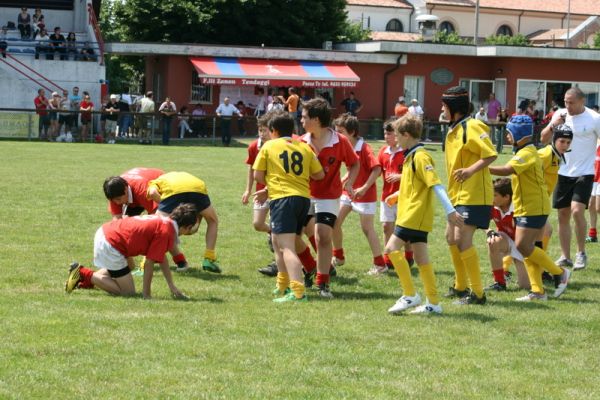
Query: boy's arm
[[462, 174], [249, 183], [352, 174], [148, 272], [451, 214], [318, 175], [164, 266], [375, 172], [259, 176], [502, 170], [153, 194]]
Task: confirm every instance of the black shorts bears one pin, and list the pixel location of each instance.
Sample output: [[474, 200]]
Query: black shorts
[[531, 221], [325, 218], [119, 273], [200, 200], [134, 211], [410, 235], [568, 189], [478, 216], [288, 214], [64, 119]]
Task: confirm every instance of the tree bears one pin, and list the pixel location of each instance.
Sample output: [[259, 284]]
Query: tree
[[446, 37], [507, 40], [597, 40]]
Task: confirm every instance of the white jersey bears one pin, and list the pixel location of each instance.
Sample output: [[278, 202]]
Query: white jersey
[[586, 131]]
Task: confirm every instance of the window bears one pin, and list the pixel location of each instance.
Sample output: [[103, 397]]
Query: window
[[504, 30], [414, 88], [394, 26], [200, 93], [447, 26]]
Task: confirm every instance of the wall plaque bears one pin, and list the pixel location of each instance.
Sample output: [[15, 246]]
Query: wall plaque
[[442, 76]]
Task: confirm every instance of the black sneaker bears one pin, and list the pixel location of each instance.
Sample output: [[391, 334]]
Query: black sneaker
[[309, 278], [548, 278], [471, 298], [324, 291], [269, 270], [507, 276], [497, 286], [411, 262], [270, 242], [332, 271], [453, 293]]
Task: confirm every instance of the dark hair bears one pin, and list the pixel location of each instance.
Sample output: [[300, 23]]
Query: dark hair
[[292, 90], [114, 187], [149, 94], [318, 108], [575, 90], [282, 123], [409, 124], [388, 125], [185, 214], [182, 109], [503, 186], [348, 122]]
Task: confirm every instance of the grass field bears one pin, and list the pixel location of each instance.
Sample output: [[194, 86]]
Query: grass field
[[230, 341]]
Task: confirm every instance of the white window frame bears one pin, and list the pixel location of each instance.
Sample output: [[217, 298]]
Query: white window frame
[[420, 95], [196, 81]]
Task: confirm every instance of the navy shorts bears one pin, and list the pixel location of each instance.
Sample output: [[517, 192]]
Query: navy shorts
[[410, 235], [532, 221], [134, 211], [288, 214], [569, 189], [119, 273], [478, 216], [200, 200]]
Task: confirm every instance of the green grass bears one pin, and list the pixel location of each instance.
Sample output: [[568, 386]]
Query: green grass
[[230, 341]]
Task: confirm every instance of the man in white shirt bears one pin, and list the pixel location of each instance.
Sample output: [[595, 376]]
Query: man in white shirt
[[576, 174], [415, 109], [146, 121], [226, 111]]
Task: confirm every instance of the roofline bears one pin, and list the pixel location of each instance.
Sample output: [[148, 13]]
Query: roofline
[[377, 6], [384, 46], [190, 50], [517, 10]]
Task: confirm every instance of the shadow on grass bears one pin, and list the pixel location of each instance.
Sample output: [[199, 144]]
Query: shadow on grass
[[566, 298], [344, 280], [520, 305], [583, 285], [469, 316], [357, 296], [193, 299], [208, 276]]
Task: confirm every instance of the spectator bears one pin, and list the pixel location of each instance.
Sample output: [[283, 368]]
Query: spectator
[[86, 107], [24, 23], [112, 116], [167, 109], [37, 16], [503, 115], [74, 103], [493, 107], [58, 44], [415, 109], [87, 52], [183, 118], [533, 112], [400, 110], [100, 136], [54, 106], [199, 121], [276, 104], [240, 122], [351, 104], [3, 43], [261, 106], [292, 103], [64, 116], [38, 26], [72, 45], [225, 111], [146, 121], [41, 106], [43, 46], [481, 115], [125, 117]]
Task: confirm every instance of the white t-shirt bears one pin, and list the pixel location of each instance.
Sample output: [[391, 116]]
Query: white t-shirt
[[417, 111], [586, 131]]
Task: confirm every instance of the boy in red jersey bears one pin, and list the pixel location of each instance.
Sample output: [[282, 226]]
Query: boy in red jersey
[[126, 193], [332, 149], [117, 241], [501, 243], [364, 201], [594, 205]]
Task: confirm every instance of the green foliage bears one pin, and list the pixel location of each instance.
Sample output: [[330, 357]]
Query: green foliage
[[597, 40], [445, 37], [354, 32], [507, 40]]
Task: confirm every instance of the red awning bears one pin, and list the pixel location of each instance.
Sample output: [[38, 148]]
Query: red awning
[[260, 72]]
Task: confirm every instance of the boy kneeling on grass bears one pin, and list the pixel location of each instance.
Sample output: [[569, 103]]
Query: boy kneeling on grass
[[415, 218], [117, 241], [286, 166], [532, 206]]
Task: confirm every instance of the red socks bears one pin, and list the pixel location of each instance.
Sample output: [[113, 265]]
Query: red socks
[[307, 260], [379, 261], [86, 278], [593, 233], [322, 279], [499, 276], [339, 253], [408, 255]]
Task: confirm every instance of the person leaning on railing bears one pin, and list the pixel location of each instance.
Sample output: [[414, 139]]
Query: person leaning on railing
[[72, 45], [3, 43]]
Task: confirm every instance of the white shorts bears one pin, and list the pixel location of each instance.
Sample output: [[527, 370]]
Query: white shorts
[[387, 213], [361, 208], [512, 247], [106, 256], [596, 189], [261, 206], [331, 206]]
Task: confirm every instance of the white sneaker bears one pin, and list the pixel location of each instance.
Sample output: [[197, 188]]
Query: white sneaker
[[563, 261], [580, 261], [377, 270], [531, 296], [428, 308], [337, 262], [404, 303], [325, 292], [564, 281]]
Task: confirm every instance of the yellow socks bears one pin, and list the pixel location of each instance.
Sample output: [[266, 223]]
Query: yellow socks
[[506, 263], [210, 254], [460, 273], [534, 272], [283, 281], [470, 259], [428, 278], [298, 289], [403, 272], [541, 258], [545, 241]]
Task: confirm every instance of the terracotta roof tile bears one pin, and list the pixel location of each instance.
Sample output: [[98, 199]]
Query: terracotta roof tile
[[584, 7], [396, 36], [380, 3], [547, 34]]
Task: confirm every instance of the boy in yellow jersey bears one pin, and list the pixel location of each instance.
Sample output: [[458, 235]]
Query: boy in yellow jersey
[[532, 207], [415, 218], [469, 152], [174, 188], [286, 166]]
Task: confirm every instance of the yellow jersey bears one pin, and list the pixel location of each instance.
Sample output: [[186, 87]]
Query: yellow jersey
[[415, 209], [173, 183], [288, 164], [464, 147], [530, 194], [550, 164]]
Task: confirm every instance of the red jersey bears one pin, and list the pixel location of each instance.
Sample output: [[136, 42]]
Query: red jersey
[[137, 179], [151, 236], [41, 106], [504, 222], [597, 165], [367, 163], [86, 115], [391, 163], [339, 150], [253, 150]]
